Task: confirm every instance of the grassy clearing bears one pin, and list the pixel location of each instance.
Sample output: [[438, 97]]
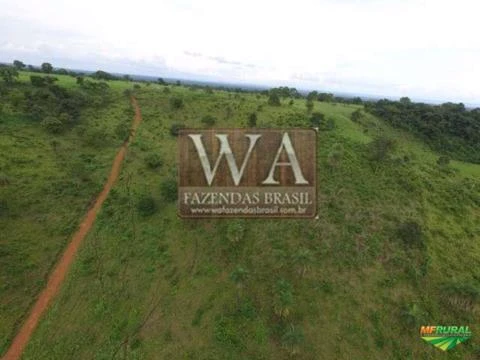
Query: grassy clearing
[[356, 283]]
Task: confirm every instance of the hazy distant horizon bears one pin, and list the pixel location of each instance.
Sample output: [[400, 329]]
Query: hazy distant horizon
[[423, 49], [198, 79]]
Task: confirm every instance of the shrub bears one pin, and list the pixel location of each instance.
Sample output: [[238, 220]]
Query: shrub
[[146, 205], [381, 148], [309, 105], [3, 207], [356, 116], [252, 120], [317, 119], [37, 81], [122, 130], [52, 124], [176, 103], [153, 161], [410, 232], [175, 129], [168, 189], [443, 161], [274, 99], [292, 338], [136, 86], [208, 120], [4, 180], [335, 156]]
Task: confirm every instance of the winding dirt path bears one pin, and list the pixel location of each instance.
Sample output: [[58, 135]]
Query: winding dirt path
[[59, 272]]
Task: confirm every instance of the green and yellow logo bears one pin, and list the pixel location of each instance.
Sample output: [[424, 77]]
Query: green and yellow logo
[[445, 337]]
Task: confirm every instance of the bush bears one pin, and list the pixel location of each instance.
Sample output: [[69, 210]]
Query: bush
[[4, 180], [153, 161], [3, 207], [208, 120], [252, 120], [37, 81], [335, 156], [410, 232], [381, 148], [169, 190], [176, 103], [317, 119], [443, 161], [274, 99], [146, 205], [122, 130], [52, 125], [309, 105], [356, 116], [175, 129]]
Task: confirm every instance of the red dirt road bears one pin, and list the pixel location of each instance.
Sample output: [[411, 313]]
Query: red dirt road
[[59, 272]]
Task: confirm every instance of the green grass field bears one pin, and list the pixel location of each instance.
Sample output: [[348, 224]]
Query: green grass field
[[348, 285]]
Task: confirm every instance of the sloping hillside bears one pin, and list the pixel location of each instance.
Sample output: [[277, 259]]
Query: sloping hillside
[[396, 244]]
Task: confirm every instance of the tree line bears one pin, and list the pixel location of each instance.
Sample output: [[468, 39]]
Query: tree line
[[449, 128]]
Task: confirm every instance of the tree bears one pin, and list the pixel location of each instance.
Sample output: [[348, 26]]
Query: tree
[[176, 103], [161, 81], [325, 97], [309, 105], [46, 67], [274, 99], [18, 64], [80, 80], [103, 75], [8, 74], [312, 95], [252, 120]]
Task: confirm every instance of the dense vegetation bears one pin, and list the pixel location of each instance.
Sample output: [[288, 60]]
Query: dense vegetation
[[449, 128], [396, 244]]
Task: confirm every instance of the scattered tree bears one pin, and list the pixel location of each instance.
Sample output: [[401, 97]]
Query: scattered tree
[[18, 64], [46, 67]]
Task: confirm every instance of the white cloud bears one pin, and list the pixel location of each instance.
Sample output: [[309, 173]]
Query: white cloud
[[421, 48]]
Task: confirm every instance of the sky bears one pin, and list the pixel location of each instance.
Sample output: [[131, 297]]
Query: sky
[[424, 49]]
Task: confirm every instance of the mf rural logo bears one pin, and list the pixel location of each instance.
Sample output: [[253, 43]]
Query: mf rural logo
[[247, 173], [445, 337]]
